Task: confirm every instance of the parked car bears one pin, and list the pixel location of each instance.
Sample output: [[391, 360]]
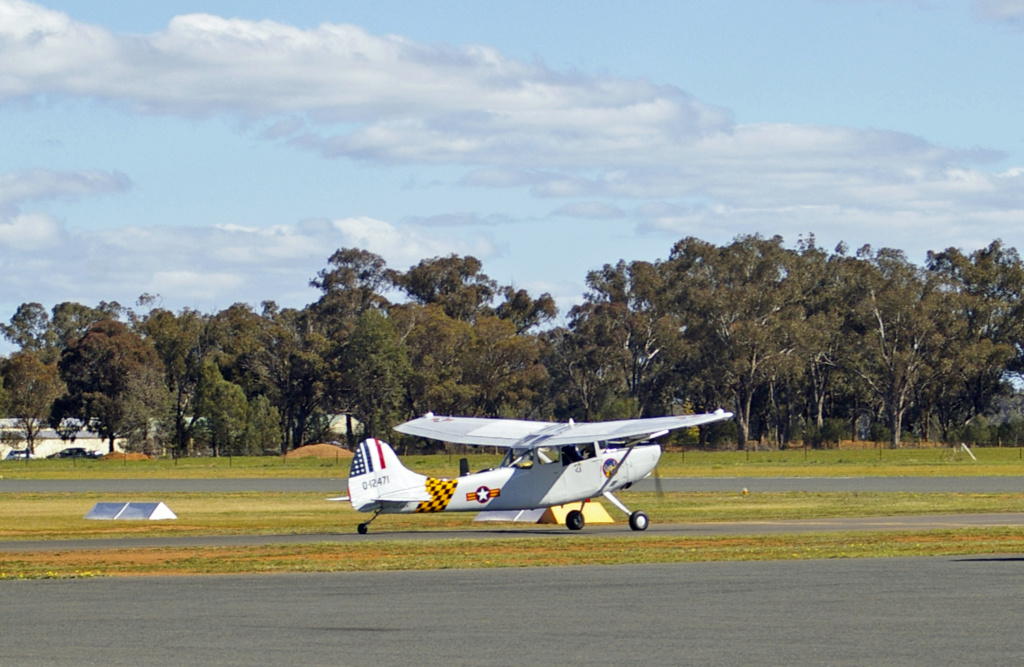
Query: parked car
[[19, 455], [75, 453]]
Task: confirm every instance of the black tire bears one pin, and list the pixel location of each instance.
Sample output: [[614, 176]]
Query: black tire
[[638, 521], [362, 529], [574, 520]]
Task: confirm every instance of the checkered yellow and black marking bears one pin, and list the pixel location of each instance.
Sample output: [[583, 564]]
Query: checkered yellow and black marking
[[441, 492]]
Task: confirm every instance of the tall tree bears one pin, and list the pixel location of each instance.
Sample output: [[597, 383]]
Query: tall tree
[[294, 363], [524, 311], [983, 330], [34, 330], [29, 329], [736, 303], [101, 370], [183, 344], [586, 382], [262, 427], [374, 365], [504, 369], [221, 410], [455, 283], [894, 310], [817, 328], [355, 281], [625, 309], [437, 349], [31, 388]]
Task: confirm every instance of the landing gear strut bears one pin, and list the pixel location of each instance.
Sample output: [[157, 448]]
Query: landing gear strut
[[637, 520], [365, 526]]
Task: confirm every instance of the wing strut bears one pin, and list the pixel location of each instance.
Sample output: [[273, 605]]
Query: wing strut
[[615, 501], [629, 450], [637, 520]]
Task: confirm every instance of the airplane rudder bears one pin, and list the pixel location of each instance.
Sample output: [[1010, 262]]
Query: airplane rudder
[[374, 456]]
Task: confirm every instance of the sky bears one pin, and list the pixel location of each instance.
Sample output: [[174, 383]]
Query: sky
[[209, 152]]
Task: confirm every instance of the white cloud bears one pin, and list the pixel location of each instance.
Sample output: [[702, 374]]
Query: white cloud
[[191, 285], [407, 101], [28, 231], [20, 232], [206, 268], [43, 184], [1001, 11], [404, 246], [458, 220], [591, 210], [342, 92]]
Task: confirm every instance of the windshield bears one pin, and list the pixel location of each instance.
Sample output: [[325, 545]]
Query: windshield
[[518, 458]]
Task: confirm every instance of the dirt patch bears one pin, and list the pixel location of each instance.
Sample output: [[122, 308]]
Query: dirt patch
[[126, 456], [322, 451]]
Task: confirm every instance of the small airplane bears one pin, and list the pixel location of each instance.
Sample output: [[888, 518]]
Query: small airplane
[[547, 464]]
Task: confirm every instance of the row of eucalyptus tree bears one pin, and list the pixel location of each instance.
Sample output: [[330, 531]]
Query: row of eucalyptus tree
[[801, 343], [242, 381], [798, 339]]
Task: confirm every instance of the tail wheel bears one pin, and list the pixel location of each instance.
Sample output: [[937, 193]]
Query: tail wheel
[[638, 520], [574, 520]]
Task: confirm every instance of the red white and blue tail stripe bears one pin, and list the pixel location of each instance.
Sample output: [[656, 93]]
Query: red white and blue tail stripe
[[369, 458]]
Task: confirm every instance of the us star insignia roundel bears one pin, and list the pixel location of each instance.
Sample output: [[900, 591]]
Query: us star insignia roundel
[[483, 494]]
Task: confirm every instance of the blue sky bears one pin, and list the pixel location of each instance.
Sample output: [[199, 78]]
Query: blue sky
[[213, 152]]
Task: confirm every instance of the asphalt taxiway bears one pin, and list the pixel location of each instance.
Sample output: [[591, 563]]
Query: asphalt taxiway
[[908, 611]]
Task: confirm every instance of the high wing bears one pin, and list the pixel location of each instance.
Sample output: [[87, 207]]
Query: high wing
[[521, 433]]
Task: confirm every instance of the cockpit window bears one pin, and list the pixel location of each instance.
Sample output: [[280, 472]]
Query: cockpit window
[[574, 453], [518, 458], [547, 455]]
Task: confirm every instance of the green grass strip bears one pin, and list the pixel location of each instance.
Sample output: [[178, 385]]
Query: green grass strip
[[564, 550]]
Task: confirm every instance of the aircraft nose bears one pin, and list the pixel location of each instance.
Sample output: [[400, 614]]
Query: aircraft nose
[[647, 461]]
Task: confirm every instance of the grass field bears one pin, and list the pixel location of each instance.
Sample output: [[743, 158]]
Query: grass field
[[790, 463], [60, 516], [50, 516], [520, 552]]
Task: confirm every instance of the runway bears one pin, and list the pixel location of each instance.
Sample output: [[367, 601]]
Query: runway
[[911, 611]]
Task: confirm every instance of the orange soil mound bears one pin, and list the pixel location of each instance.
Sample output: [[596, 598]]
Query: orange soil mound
[[121, 456], [319, 451]]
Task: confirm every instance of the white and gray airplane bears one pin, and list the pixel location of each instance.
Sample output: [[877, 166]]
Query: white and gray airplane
[[546, 464]]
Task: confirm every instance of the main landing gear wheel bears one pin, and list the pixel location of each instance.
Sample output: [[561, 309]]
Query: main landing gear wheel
[[574, 520], [638, 520], [365, 526]]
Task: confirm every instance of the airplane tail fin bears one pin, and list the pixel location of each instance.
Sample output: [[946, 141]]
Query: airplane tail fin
[[376, 477]]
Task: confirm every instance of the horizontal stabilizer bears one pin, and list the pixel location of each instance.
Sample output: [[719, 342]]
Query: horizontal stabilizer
[[413, 495]]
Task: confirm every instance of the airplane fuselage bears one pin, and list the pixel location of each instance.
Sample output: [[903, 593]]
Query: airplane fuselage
[[541, 481], [546, 464]]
